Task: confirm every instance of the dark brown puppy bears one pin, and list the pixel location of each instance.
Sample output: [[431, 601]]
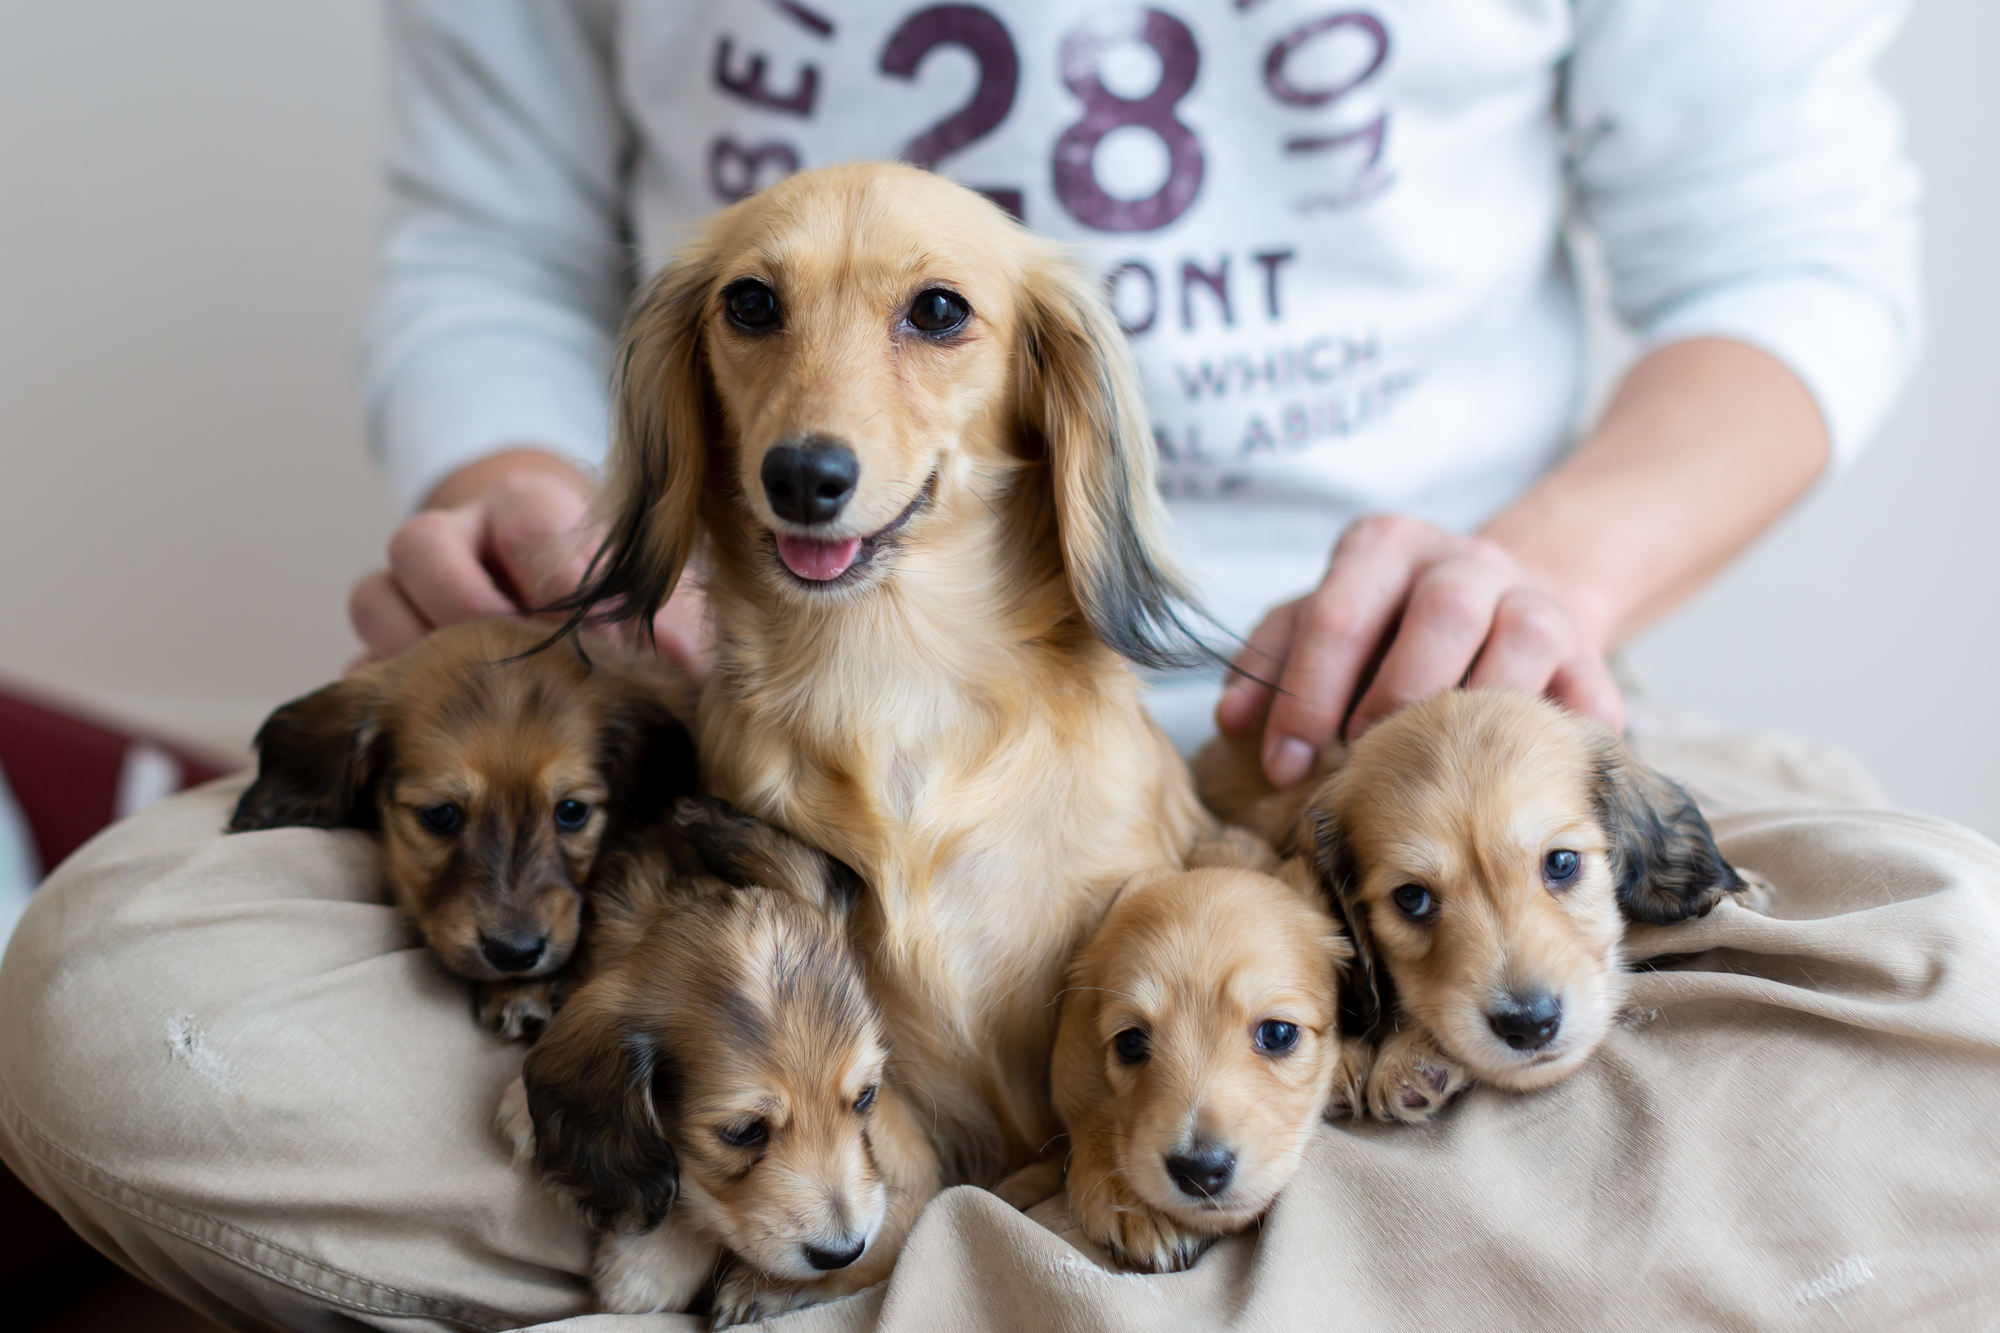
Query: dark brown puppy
[[1486, 850], [491, 778], [714, 1094]]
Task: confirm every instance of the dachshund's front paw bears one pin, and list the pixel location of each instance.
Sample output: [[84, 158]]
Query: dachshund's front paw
[[650, 1272], [1350, 1079], [1756, 894], [745, 1296], [1411, 1079], [517, 1010], [1138, 1237]]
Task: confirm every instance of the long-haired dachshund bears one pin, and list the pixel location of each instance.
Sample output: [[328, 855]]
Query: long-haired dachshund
[[491, 778], [1486, 849], [713, 1094], [1197, 1052], [904, 442]]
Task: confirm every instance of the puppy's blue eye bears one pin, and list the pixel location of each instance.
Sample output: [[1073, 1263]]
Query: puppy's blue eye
[[442, 820], [571, 815], [1275, 1036], [866, 1099], [938, 311], [749, 1134], [1560, 866], [751, 305], [1414, 901], [1132, 1046]]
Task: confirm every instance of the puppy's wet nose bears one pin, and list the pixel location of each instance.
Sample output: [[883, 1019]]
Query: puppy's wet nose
[[810, 482], [1203, 1172], [828, 1260], [516, 951], [1527, 1022]]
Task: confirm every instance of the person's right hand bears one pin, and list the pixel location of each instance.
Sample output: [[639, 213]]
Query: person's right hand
[[506, 534]]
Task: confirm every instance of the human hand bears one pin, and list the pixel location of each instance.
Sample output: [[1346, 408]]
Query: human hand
[[1450, 610], [502, 536]]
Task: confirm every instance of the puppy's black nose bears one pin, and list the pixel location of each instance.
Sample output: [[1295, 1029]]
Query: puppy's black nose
[[828, 1260], [516, 951], [1204, 1172], [810, 482], [1527, 1022]]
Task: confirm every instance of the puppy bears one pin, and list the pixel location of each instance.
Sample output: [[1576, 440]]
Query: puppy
[[1486, 850], [491, 773], [716, 1091], [1197, 1051], [909, 443]]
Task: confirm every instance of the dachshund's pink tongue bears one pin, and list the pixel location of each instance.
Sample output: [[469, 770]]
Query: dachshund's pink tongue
[[818, 561]]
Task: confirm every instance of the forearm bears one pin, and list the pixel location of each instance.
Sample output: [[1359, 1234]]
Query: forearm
[[1703, 446]]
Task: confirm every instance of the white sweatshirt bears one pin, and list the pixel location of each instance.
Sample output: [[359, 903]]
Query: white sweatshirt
[[1333, 234]]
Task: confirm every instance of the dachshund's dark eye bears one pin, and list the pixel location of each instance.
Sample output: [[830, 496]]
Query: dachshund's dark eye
[[749, 1134], [1414, 901], [752, 306], [1560, 866], [1132, 1046], [571, 815], [938, 311], [866, 1099], [443, 820], [1275, 1036]]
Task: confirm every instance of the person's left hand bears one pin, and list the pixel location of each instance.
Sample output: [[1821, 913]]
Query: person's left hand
[[1460, 610]]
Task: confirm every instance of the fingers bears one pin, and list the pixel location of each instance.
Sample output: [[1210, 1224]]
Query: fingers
[[1530, 637], [1584, 684], [1337, 631], [434, 559], [1262, 660], [536, 533], [682, 631], [383, 618]]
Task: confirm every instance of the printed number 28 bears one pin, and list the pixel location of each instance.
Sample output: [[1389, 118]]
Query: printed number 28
[[1083, 53]]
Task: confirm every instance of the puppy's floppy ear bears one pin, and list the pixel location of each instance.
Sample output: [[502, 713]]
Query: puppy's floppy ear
[[318, 760], [666, 419], [648, 755], [741, 849], [599, 1095], [1368, 994], [1663, 858], [1079, 390]]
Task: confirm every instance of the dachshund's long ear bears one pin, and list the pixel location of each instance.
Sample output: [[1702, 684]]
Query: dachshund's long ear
[[666, 418], [648, 754], [318, 760], [1368, 994], [1079, 390], [599, 1095], [741, 849], [1663, 858]]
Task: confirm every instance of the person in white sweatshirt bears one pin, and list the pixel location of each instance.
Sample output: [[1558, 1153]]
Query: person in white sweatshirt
[[1335, 237]]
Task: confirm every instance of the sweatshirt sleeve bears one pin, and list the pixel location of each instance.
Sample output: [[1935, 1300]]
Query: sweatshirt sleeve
[[505, 263], [1745, 173]]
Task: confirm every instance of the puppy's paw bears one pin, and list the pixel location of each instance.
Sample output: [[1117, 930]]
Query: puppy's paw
[[1031, 1184], [1349, 1100], [655, 1271], [1757, 893], [745, 1296], [517, 1010], [516, 1126], [1411, 1079], [1138, 1236]]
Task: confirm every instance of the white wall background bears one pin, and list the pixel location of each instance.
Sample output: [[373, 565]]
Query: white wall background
[[187, 206]]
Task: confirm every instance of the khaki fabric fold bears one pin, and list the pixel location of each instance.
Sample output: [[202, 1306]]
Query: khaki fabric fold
[[228, 1064]]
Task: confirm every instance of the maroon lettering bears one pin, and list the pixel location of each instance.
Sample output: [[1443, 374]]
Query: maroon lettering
[[816, 23], [1366, 177], [986, 40], [1218, 287], [1285, 47], [1075, 170], [736, 172], [1114, 287], [1271, 260], [749, 83]]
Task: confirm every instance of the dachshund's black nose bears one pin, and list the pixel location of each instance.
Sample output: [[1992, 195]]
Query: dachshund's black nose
[[810, 482], [1204, 1172], [1527, 1022], [516, 951], [828, 1260]]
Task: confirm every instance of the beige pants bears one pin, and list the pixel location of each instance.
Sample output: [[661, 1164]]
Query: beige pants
[[222, 1059]]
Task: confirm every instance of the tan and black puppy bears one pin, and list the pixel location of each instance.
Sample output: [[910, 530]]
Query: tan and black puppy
[[491, 773], [715, 1094], [1197, 1050], [1486, 850]]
